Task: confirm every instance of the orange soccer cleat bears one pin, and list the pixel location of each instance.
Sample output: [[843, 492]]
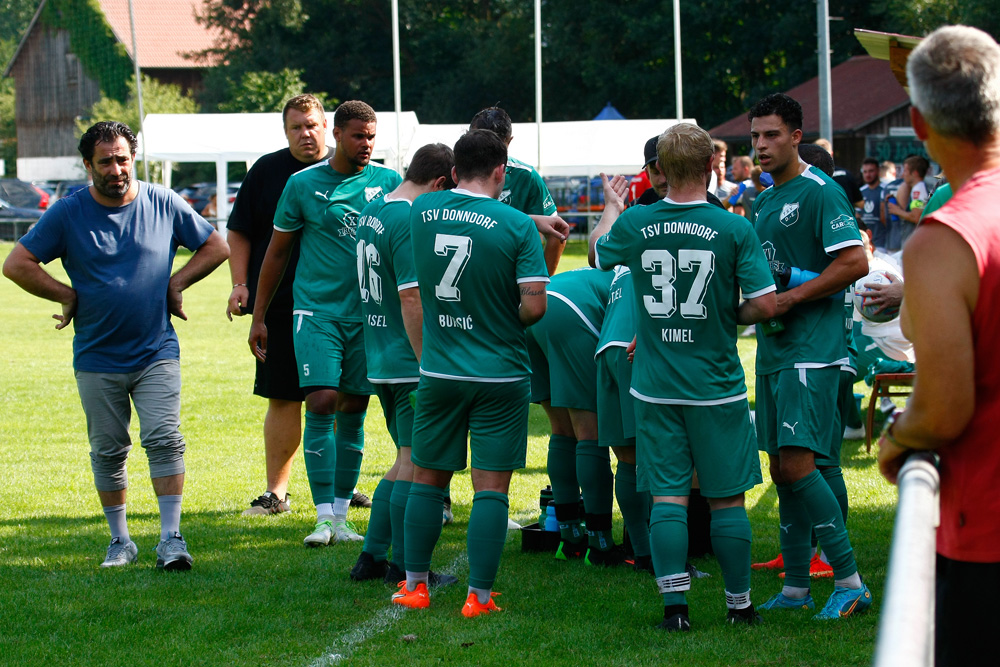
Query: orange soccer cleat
[[473, 607]]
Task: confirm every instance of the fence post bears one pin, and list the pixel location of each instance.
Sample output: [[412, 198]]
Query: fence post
[[906, 626]]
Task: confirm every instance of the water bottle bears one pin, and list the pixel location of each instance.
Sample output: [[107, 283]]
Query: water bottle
[[545, 499], [551, 523], [892, 200]]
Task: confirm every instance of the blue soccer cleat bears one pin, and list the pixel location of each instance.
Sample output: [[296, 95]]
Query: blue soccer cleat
[[782, 601], [845, 602]]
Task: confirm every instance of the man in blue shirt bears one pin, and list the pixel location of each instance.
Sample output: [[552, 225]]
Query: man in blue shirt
[[117, 241]]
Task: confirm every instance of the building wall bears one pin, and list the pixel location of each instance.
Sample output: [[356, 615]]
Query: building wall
[[52, 90]]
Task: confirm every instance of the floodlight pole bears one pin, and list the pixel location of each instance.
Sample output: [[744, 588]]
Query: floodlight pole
[[825, 90], [538, 79], [138, 88], [396, 88], [678, 82]]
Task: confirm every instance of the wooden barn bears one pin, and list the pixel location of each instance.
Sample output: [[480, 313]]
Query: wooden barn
[[871, 115], [75, 51]]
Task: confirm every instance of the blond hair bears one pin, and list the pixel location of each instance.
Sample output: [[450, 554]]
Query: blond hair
[[684, 151]]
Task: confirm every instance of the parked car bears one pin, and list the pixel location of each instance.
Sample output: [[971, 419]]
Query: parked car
[[200, 194], [23, 194], [66, 188], [10, 212]]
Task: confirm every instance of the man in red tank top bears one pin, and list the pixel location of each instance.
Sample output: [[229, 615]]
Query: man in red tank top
[[951, 312]]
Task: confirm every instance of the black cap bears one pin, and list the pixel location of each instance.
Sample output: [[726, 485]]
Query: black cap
[[649, 152]]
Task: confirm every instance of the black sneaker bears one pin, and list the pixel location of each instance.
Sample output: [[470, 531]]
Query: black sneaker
[[569, 550], [368, 568], [611, 558], [675, 619], [745, 616], [643, 564], [268, 503], [437, 579], [393, 574], [360, 500]]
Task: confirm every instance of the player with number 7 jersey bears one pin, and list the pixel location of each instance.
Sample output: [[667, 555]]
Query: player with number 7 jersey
[[689, 262], [471, 253]]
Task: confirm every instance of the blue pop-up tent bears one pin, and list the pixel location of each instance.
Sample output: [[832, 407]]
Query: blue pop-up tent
[[609, 113]]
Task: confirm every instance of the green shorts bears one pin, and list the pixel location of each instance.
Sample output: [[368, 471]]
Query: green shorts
[[330, 355], [561, 347], [845, 405], [495, 414], [797, 407], [395, 400], [615, 405], [716, 440]]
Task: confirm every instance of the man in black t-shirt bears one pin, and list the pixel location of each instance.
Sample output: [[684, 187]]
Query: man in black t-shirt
[[250, 225]]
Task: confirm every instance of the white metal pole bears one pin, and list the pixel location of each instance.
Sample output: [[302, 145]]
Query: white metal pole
[[825, 90], [678, 81], [138, 89], [538, 80], [396, 88]]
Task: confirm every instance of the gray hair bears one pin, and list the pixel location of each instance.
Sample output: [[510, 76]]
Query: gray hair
[[954, 76]]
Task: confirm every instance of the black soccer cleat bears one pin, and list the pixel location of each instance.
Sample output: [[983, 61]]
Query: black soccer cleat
[[360, 500], [675, 619], [613, 557], [368, 568], [745, 616]]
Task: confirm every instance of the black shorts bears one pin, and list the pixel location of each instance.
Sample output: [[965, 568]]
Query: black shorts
[[967, 613], [278, 377]]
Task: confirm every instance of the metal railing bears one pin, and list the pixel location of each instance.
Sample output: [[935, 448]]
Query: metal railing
[[13, 229], [906, 628]]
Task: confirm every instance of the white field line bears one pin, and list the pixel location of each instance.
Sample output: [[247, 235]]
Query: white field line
[[380, 622]]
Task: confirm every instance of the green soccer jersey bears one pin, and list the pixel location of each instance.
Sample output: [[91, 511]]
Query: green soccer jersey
[[324, 205], [803, 223], [619, 314], [525, 190], [689, 263], [471, 252], [385, 267], [585, 291]]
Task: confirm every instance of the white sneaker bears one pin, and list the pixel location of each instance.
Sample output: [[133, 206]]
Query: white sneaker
[[120, 553], [513, 525], [886, 405], [446, 514], [343, 531], [851, 433], [322, 533]]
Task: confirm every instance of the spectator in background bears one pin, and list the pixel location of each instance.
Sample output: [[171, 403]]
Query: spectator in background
[[872, 192], [913, 191], [887, 172], [718, 158]]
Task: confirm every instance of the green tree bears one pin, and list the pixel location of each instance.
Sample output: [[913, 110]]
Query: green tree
[[156, 98], [263, 92], [16, 16], [8, 127]]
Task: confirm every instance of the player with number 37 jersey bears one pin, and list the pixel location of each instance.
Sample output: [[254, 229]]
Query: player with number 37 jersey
[[689, 262], [464, 246]]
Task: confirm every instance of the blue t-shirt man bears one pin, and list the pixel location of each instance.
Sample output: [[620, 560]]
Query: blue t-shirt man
[[119, 261]]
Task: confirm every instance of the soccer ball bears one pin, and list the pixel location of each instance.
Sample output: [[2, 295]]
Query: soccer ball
[[864, 305]]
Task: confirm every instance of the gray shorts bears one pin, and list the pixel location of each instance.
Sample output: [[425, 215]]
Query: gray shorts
[[156, 393]]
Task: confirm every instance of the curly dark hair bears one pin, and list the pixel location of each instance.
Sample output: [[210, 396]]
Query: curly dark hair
[[105, 131], [778, 104]]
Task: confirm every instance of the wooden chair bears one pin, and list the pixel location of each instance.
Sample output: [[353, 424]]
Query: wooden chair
[[885, 385]]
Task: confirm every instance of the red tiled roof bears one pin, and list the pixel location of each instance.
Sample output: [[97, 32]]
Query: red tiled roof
[[864, 89], [165, 30]]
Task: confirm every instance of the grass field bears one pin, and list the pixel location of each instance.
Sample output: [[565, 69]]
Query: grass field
[[257, 597]]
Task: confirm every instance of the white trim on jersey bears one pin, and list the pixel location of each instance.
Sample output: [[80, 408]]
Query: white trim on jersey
[[818, 364], [463, 378], [614, 343], [687, 203], [761, 292], [393, 380], [469, 193], [597, 260], [808, 173], [533, 279], [684, 401], [840, 246], [590, 325], [409, 285]]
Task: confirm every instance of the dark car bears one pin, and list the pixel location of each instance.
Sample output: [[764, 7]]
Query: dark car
[[23, 194], [200, 194], [16, 221], [66, 188]]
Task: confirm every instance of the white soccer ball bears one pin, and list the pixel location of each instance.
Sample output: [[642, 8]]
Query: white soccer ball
[[863, 304]]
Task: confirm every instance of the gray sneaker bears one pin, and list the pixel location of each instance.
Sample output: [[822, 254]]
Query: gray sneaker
[[172, 554], [120, 553]]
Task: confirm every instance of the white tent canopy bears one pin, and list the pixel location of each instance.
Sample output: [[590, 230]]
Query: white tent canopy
[[574, 148]]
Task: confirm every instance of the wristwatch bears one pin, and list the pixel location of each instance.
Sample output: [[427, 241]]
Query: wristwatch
[[887, 429]]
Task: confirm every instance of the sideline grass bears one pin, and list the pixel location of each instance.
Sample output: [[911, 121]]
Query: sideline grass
[[257, 597]]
